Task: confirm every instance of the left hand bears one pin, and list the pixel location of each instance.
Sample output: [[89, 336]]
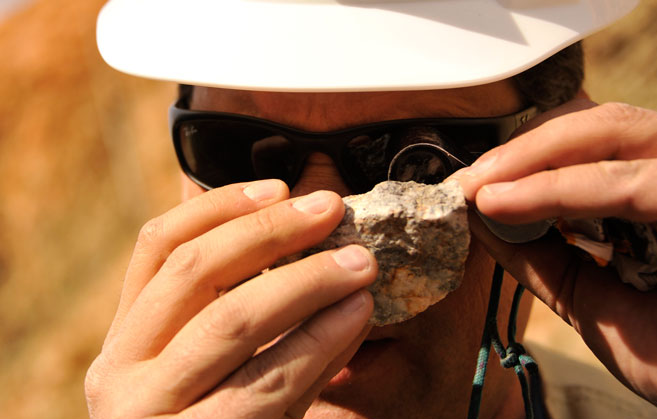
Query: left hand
[[578, 161]]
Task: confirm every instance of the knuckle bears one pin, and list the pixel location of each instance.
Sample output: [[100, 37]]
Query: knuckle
[[231, 321], [265, 375], [93, 381], [215, 201], [632, 131], [313, 340], [622, 173], [98, 390], [151, 232], [641, 180], [620, 112], [272, 374], [264, 222], [626, 176], [554, 179], [107, 394], [185, 259]]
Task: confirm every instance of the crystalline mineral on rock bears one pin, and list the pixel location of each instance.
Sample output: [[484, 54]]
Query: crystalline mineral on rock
[[420, 237]]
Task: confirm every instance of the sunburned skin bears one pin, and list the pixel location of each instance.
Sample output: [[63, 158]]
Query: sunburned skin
[[431, 353]]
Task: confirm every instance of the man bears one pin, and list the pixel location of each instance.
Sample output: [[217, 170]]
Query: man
[[201, 331]]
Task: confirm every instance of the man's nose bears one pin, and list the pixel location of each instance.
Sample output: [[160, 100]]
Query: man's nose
[[320, 172]]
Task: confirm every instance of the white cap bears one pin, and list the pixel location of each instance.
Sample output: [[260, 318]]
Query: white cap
[[343, 45]]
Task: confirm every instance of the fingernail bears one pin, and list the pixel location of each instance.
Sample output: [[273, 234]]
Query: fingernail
[[498, 188], [261, 190], [352, 258], [315, 203], [353, 303], [480, 166]]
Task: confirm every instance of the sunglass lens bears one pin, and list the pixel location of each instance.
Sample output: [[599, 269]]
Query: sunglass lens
[[424, 163], [366, 157], [218, 153], [213, 154], [274, 157]]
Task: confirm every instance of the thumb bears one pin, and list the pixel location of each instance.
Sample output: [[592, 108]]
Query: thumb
[[544, 267]]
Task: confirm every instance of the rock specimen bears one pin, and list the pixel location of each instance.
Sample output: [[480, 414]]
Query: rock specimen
[[419, 235]]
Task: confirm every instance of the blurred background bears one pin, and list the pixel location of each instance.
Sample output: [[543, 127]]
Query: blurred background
[[85, 160]]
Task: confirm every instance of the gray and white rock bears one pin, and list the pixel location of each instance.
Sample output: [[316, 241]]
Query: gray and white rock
[[419, 235]]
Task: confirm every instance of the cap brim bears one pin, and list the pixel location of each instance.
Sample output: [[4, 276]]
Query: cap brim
[[342, 45]]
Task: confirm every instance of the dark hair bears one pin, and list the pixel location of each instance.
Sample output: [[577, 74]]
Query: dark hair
[[554, 81], [546, 85]]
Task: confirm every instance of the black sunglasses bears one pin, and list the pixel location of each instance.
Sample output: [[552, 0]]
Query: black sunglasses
[[216, 149]]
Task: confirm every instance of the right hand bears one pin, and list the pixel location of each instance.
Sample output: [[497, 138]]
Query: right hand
[[196, 311], [577, 161]]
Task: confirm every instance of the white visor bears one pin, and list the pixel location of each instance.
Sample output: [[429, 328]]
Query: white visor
[[342, 45]]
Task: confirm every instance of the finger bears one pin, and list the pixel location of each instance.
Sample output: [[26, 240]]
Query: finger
[[198, 271], [299, 408], [161, 235], [613, 318], [576, 289], [582, 102], [227, 332], [601, 189], [543, 267], [270, 383], [605, 132]]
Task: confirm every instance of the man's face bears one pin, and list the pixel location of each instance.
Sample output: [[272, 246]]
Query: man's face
[[422, 367]]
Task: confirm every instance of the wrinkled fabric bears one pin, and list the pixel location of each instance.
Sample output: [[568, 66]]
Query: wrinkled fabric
[[630, 247]]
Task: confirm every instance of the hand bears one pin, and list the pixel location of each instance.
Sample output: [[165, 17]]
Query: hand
[[578, 161], [189, 336]]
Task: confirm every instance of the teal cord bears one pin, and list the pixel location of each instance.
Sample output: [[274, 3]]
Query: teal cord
[[513, 356]]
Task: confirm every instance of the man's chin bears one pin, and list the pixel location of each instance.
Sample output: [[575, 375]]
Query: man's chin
[[371, 362], [369, 385]]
